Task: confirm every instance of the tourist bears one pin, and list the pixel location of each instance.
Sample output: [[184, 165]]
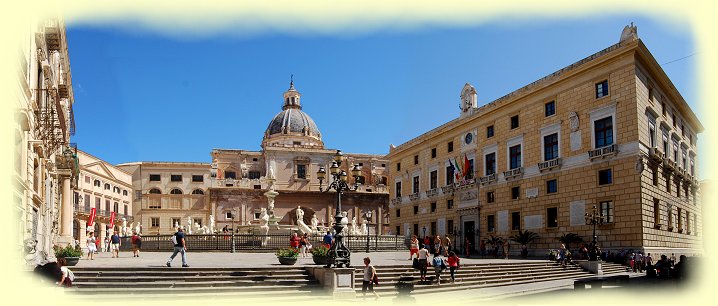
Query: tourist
[[294, 241], [106, 244], [648, 260], [91, 246], [679, 269], [328, 239], [67, 276], [639, 262], [180, 246], [98, 243], [369, 279], [482, 248], [453, 262], [507, 248], [438, 245], [413, 247], [673, 259], [225, 231], [423, 262], [136, 244], [115, 245], [304, 245], [439, 266], [427, 242], [632, 262], [447, 245]]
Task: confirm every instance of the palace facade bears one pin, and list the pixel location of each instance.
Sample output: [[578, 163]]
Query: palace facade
[[609, 132]]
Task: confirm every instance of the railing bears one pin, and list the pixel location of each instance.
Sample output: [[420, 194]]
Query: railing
[[669, 164], [245, 182], [174, 201], [262, 243], [516, 172], [602, 152], [432, 192], [395, 201], [655, 154], [488, 179], [550, 164], [414, 196], [86, 209], [448, 188], [464, 184]]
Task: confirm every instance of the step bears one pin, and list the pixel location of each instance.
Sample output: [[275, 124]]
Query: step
[[180, 284], [309, 288], [188, 279]]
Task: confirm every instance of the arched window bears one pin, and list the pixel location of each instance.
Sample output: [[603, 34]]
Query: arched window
[[197, 191], [107, 186], [155, 191], [124, 192], [97, 183], [176, 191], [116, 189]]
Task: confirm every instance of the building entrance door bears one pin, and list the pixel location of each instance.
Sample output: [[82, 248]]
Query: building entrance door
[[469, 238]]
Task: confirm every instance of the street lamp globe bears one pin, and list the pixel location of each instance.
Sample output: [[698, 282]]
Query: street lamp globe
[[356, 171], [343, 175], [334, 168], [321, 173], [338, 156]]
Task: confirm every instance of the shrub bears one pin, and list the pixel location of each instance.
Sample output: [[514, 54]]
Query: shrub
[[293, 253], [320, 251], [67, 251]]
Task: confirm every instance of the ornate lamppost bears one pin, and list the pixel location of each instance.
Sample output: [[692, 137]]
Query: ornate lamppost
[[339, 253], [368, 216], [592, 219]]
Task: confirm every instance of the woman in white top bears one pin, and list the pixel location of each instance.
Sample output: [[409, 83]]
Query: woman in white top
[[423, 256], [414, 247], [368, 280], [67, 276], [91, 246]]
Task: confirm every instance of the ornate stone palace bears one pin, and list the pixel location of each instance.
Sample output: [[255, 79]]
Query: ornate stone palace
[[236, 187], [609, 131]]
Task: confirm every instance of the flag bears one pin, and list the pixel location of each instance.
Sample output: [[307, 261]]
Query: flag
[[466, 166], [93, 212], [459, 173], [112, 219]]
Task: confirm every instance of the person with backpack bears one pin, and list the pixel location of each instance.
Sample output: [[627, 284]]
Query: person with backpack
[[180, 246], [370, 278], [453, 263], [439, 265], [136, 244]]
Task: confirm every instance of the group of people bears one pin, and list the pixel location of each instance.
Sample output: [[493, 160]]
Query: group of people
[[302, 244], [112, 244], [439, 262], [436, 245]]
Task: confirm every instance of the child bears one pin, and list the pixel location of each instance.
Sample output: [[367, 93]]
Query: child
[[453, 262]]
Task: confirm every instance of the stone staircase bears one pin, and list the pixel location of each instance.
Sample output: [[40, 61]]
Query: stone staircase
[[195, 282], [479, 276]]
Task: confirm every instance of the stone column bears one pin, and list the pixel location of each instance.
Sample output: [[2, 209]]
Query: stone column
[[66, 210]]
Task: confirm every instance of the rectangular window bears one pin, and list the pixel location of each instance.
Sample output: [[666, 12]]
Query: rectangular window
[[666, 150], [228, 215], [433, 228], [433, 179], [692, 166], [98, 202], [603, 132], [450, 146], [515, 157], [176, 177], [87, 179], [154, 222], [607, 211], [490, 163], [552, 217], [416, 229], [174, 221], [416, 159], [490, 197], [398, 189], [515, 193], [415, 185], [154, 177], [398, 213], [449, 175], [550, 108], [107, 206], [450, 226], [552, 186], [605, 177], [684, 161], [433, 206], [198, 178], [656, 212], [398, 230], [398, 166], [433, 152], [449, 204], [652, 134], [490, 223], [254, 175], [515, 220], [302, 171], [550, 147], [416, 209], [602, 89], [674, 119], [230, 175], [663, 108], [675, 151], [489, 131], [514, 122]]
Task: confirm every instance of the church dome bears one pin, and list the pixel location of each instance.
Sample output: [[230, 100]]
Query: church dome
[[292, 126]]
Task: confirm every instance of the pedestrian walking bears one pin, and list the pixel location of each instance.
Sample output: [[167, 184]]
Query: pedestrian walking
[[180, 246], [115, 242], [66, 276], [370, 278], [439, 265], [413, 247], [328, 239], [225, 232], [91, 246], [304, 244], [106, 244], [453, 262], [136, 244], [438, 244], [423, 262], [294, 241], [447, 245]]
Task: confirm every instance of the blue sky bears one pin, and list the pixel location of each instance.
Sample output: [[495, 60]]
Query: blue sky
[[140, 95]]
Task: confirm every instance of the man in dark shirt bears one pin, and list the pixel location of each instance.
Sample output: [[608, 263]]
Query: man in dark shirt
[[115, 245], [328, 239], [180, 246]]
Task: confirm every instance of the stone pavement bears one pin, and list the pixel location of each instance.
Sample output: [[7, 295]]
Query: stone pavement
[[248, 260]]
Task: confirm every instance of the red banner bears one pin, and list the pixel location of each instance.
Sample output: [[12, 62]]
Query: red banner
[[112, 219], [91, 221]]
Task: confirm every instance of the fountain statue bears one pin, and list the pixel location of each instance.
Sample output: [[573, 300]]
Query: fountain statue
[[264, 225], [138, 228], [363, 227], [176, 225], [211, 224], [271, 194], [123, 229], [315, 223], [300, 222], [189, 225], [354, 228]]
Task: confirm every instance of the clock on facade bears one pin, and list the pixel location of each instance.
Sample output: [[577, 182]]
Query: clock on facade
[[468, 138]]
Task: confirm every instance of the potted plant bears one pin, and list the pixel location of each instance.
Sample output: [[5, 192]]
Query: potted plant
[[287, 256], [320, 255], [524, 238], [71, 255]]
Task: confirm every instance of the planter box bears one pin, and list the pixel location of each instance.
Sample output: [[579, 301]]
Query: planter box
[[287, 260], [71, 261], [320, 260]]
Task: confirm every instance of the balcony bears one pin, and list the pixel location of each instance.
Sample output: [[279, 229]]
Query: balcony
[[550, 164], [488, 179], [603, 152], [174, 201], [414, 196], [447, 189], [655, 154], [465, 184], [395, 201], [669, 164], [432, 192], [514, 173]]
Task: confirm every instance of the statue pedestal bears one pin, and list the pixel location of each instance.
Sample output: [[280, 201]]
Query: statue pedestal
[[593, 266], [338, 281]]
